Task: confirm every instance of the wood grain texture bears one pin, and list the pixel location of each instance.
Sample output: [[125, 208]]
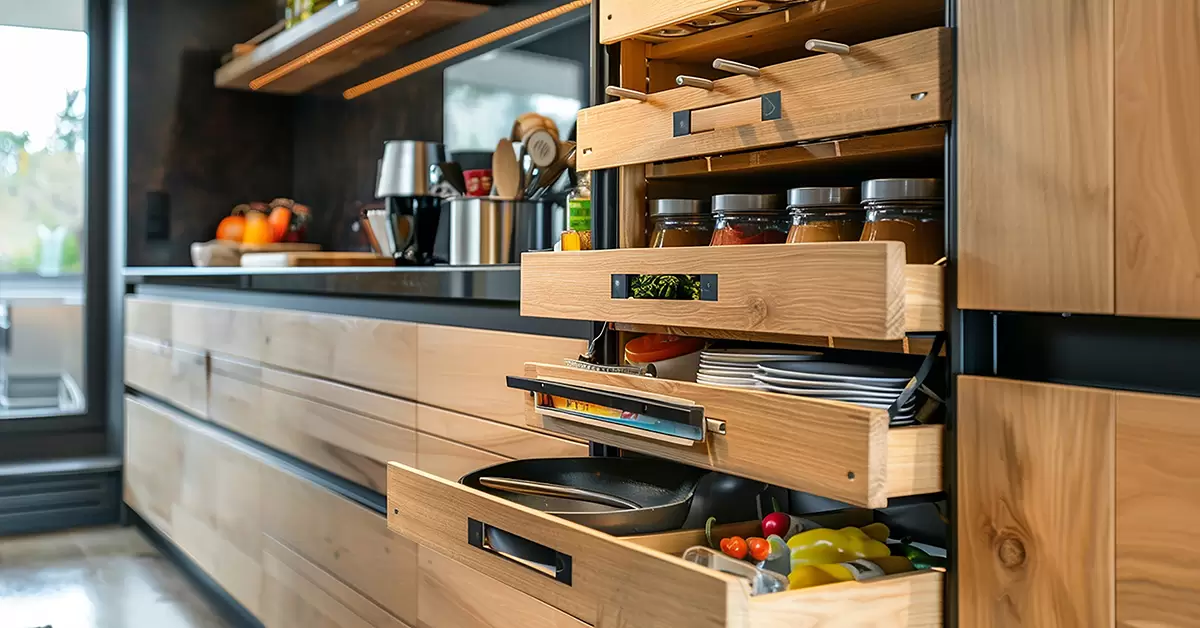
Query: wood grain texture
[[1157, 503], [1035, 514], [622, 19], [823, 96], [909, 600], [1157, 158], [314, 259], [919, 345], [148, 317], [497, 438], [178, 375], [1035, 150], [465, 369], [844, 289], [450, 459], [452, 595], [854, 463]]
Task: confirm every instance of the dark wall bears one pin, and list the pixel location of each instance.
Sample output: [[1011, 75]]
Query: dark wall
[[195, 151]]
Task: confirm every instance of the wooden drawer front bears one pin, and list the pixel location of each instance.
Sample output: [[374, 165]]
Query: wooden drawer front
[[1157, 505], [614, 582], [463, 369], [148, 318], [873, 88], [177, 375], [318, 421], [451, 595], [498, 438], [837, 450], [623, 19], [451, 460], [370, 353], [847, 290]]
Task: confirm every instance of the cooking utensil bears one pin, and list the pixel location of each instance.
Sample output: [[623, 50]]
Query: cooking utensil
[[506, 173], [404, 169], [527, 123], [529, 487], [542, 147], [547, 177], [375, 225]]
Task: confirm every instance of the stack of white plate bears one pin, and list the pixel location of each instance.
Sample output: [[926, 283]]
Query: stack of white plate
[[736, 368], [870, 386]]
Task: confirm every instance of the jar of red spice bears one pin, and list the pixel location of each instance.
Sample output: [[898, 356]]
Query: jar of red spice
[[749, 219]]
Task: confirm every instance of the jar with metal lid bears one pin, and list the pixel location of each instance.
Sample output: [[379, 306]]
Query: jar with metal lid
[[909, 211], [680, 222], [825, 215], [749, 219]]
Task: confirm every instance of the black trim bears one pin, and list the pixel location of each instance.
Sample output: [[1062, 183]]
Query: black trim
[[473, 314], [223, 603], [477, 537], [958, 338], [60, 495]]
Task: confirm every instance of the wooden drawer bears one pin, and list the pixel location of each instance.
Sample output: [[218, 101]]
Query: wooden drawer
[[450, 459], [371, 353], [622, 19], [497, 438], [618, 582], [845, 289], [454, 360], [177, 375], [451, 595], [889, 83], [829, 448], [148, 318], [318, 421]]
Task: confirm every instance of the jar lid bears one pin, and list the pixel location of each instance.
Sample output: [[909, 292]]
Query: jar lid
[[822, 197], [677, 207], [659, 347], [747, 203], [902, 189]]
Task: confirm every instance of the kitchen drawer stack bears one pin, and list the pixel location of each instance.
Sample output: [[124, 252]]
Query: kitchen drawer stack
[[258, 439], [834, 92]]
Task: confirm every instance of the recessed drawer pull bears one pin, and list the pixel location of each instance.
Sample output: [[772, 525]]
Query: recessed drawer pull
[[487, 538], [734, 67], [694, 81], [831, 47], [626, 94]]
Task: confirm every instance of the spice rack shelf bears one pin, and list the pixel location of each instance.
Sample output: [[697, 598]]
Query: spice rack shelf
[[338, 39], [859, 290]]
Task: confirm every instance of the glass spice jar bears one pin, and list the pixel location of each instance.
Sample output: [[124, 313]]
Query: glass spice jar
[[749, 219], [825, 215], [909, 211], [680, 222]]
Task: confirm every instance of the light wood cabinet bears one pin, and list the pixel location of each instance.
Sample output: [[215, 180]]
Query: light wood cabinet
[[178, 375]]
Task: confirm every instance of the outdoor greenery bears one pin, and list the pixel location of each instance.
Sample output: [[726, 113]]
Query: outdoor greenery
[[43, 187]]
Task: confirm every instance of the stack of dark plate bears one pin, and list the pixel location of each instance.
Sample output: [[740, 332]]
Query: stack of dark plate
[[870, 386], [736, 368]]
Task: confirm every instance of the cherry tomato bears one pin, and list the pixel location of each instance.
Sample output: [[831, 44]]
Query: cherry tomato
[[759, 549], [735, 546]]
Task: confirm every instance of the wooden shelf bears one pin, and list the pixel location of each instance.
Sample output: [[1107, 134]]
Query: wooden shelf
[[325, 28], [913, 344], [923, 144]]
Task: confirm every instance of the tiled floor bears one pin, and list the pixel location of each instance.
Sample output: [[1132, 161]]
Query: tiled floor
[[100, 578]]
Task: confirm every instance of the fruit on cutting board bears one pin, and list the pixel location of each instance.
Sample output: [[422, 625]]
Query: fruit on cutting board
[[232, 228], [258, 229], [257, 223]]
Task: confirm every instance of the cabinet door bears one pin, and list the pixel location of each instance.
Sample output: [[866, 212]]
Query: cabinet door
[[1035, 508], [1158, 158], [1035, 155], [1158, 505]]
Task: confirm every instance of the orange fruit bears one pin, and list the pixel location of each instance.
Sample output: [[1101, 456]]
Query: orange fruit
[[258, 229]]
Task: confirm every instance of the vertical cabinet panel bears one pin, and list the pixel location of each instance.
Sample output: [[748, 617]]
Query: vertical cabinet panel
[[1158, 507], [1035, 150], [1035, 508], [1158, 158]]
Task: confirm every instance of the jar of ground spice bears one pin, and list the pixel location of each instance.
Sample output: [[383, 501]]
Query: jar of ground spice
[[909, 211], [825, 215], [749, 219], [680, 222]]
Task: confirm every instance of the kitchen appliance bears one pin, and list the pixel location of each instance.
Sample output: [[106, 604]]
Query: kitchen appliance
[[412, 205], [481, 231]]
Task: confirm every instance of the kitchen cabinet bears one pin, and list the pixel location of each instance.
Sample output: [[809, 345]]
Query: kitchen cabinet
[[178, 375]]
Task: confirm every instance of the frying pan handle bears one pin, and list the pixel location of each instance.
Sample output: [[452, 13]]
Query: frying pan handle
[[479, 535]]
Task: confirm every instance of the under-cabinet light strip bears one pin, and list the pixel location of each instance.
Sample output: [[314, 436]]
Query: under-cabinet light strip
[[334, 44], [441, 57]]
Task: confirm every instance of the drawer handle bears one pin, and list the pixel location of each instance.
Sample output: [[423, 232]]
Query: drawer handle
[[544, 560], [831, 47], [627, 94], [734, 67], [762, 108], [695, 81], [664, 287]]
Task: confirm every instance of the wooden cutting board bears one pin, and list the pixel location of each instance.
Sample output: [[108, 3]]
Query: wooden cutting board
[[314, 258]]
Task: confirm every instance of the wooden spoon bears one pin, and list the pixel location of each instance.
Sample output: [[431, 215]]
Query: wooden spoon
[[506, 174]]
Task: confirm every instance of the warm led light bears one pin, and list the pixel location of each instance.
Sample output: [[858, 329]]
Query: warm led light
[[441, 57], [326, 48]]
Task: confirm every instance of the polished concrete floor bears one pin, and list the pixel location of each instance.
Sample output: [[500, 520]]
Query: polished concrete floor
[[99, 578]]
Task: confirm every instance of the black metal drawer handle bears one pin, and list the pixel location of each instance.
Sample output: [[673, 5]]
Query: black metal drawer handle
[[544, 560]]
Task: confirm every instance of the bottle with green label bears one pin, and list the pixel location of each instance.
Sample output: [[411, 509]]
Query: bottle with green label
[[579, 204]]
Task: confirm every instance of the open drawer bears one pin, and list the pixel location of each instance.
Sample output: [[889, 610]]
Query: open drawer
[[889, 83], [606, 581], [840, 289], [838, 450]]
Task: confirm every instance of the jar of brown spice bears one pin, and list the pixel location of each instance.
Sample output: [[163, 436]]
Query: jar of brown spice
[[680, 222], [825, 215], [749, 219], [909, 211]]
